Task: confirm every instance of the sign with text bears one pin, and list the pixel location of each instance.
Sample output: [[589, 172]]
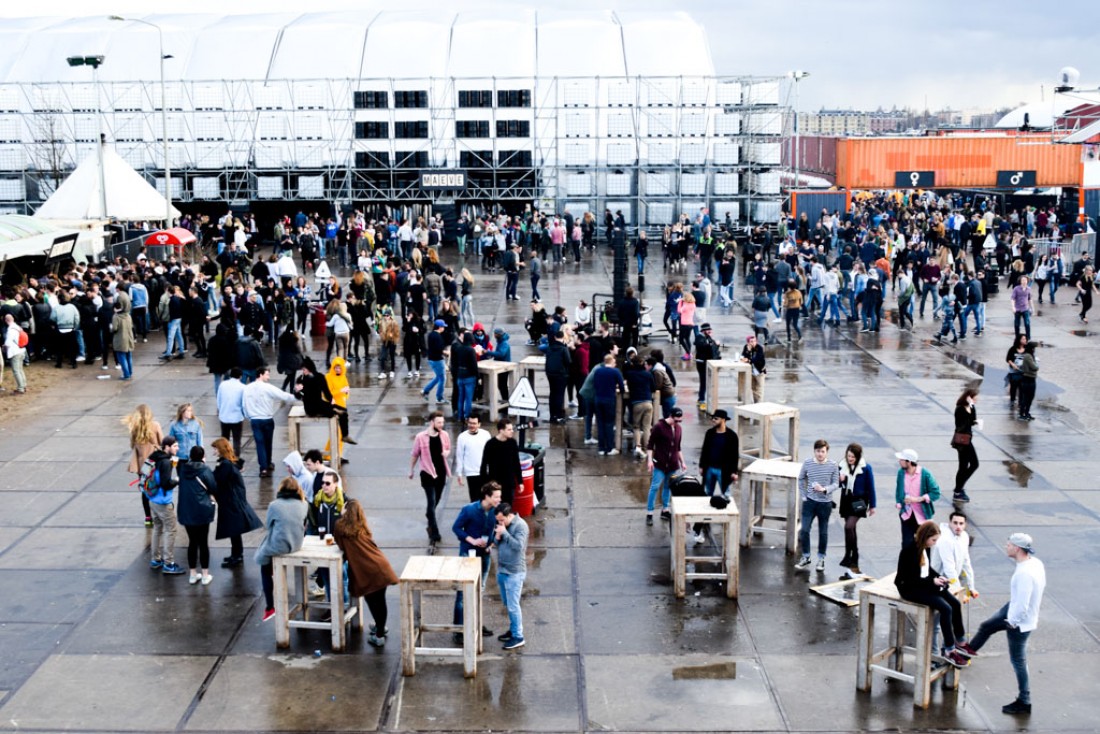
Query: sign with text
[[1015, 179], [443, 180], [914, 179]]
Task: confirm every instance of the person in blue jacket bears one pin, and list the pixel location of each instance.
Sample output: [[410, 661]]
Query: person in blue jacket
[[474, 529], [857, 501]]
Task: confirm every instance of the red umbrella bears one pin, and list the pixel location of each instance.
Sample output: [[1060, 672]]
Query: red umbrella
[[176, 237]]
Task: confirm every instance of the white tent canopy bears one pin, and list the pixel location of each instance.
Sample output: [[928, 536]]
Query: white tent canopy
[[22, 236], [130, 198]]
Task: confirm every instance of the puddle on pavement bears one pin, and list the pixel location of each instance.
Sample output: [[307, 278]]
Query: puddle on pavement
[[1082, 332], [711, 671]]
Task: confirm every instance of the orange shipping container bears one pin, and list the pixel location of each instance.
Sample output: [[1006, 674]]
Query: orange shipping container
[[959, 162]]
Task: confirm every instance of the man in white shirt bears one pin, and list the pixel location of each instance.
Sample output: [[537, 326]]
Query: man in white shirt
[[468, 452], [261, 400], [231, 408], [951, 554], [1018, 618]]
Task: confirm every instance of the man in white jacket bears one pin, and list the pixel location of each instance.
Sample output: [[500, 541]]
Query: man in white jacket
[[951, 554]]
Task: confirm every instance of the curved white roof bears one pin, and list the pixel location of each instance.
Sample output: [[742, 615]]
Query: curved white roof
[[1040, 114], [362, 43]]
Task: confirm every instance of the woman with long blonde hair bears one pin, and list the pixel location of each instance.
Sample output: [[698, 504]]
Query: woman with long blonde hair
[[186, 428], [145, 438], [466, 309]]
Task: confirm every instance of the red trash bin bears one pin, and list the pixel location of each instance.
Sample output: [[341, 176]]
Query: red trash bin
[[317, 323], [524, 501]]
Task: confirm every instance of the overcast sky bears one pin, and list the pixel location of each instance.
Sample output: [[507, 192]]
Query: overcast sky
[[860, 53]]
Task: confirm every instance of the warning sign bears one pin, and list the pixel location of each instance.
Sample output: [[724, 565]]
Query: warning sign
[[522, 400]]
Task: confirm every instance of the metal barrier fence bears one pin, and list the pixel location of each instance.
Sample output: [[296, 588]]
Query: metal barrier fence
[[1072, 249]]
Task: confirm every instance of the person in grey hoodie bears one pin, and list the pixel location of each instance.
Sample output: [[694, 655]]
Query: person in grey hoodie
[[510, 538], [66, 318], [286, 529]]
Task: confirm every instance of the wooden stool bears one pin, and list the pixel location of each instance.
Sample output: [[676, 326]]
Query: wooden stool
[[533, 365], [448, 574], [298, 418], [714, 374], [313, 554], [697, 509], [883, 594], [489, 370], [766, 414], [755, 499]]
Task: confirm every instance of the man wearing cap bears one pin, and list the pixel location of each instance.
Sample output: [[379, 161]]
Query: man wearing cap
[[720, 454], [914, 495], [663, 457], [437, 349], [1018, 618], [706, 348]]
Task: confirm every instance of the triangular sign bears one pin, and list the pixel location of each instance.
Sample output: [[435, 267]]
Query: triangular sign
[[523, 396]]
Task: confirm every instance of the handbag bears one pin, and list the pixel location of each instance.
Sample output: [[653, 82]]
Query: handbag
[[960, 439], [859, 507]]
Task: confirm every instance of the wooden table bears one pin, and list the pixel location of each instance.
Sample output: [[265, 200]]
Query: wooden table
[[313, 554], [440, 574], [755, 499], [744, 381], [697, 509], [298, 419], [766, 414], [884, 595], [490, 369], [533, 365]]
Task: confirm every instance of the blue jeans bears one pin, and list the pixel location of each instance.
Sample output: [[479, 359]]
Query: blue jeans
[[812, 509], [1017, 648], [935, 291], [534, 286], [712, 478], [459, 606], [438, 381], [466, 387], [126, 361], [969, 309], [511, 280], [605, 424], [667, 404], [466, 313], [1019, 316], [815, 296], [1053, 286], [641, 263], [263, 431], [511, 589], [175, 336], [659, 482]]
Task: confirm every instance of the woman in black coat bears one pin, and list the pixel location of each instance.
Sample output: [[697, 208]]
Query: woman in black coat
[[235, 516], [918, 582], [289, 360], [966, 418], [195, 511]]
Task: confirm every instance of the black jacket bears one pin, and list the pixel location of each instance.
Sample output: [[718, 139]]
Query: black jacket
[[194, 505], [315, 395], [235, 515], [558, 358], [908, 579], [249, 354], [731, 453]]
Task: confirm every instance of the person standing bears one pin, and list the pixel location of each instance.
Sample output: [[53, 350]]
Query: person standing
[[145, 438], [474, 529], [500, 460], [641, 384], [951, 554], [917, 581], [431, 447], [159, 485], [196, 512], [510, 538], [10, 335], [792, 308], [286, 517], [1029, 370], [260, 401], [469, 450], [123, 340], [857, 501], [1018, 618], [663, 458], [706, 349], [558, 360], [720, 455], [966, 418], [464, 369], [914, 495], [235, 516], [230, 395], [753, 353], [817, 481], [369, 572], [1021, 307], [187, 429], [629, 312]]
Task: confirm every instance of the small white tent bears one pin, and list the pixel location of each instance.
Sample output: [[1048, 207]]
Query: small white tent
[[130, 198]]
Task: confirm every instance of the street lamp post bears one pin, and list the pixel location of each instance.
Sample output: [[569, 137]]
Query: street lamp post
[[163, 117], [95, 62], [797, 76]]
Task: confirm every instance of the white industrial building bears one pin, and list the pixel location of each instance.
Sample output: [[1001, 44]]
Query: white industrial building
[[588, 110]]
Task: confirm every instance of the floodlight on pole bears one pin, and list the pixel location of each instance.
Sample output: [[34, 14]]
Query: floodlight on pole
[[95, 62], [797, 76], [163, 116]]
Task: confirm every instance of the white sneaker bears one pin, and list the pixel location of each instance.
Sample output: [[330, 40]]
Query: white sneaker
[[118, 367], [639, 453], [391, 375], [572, 403], [821, 564], [591, 441], [206, 579], [700, 538], [381, 375], [777, 321], [416, 374], [803, 562], [79, 359], [602, 453], [613, 452]]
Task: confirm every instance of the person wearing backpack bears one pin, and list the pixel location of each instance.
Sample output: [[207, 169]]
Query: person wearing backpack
[[158, 480], [15, 351]]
